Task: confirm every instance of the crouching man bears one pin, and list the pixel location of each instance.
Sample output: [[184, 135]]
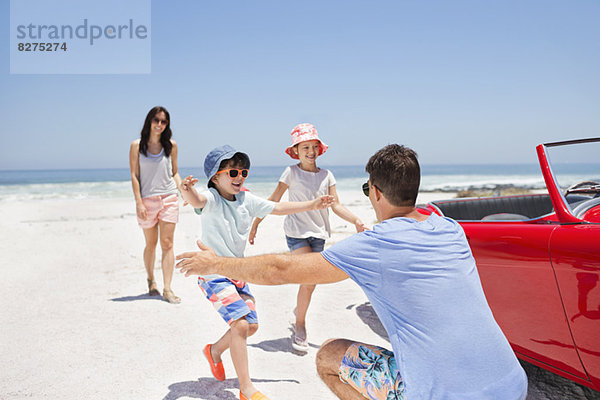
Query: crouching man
[[420, 276]]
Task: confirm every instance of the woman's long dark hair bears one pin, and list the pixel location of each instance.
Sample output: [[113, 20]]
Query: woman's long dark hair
[[165, 136]]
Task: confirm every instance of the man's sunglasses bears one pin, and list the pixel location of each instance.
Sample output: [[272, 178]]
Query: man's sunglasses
[[365, 188], [234, 172], [159, 121]]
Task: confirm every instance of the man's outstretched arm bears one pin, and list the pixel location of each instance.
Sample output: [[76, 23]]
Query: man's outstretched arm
[[269, 269]]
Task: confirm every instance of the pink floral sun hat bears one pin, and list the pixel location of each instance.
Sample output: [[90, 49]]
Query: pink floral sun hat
[[302, 133]]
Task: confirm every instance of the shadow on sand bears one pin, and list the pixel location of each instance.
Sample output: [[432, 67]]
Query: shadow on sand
[[367, 315], [283, 345], [210, 389], [144, 296]]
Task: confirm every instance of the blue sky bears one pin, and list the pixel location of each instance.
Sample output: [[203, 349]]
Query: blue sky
[[458, 81]]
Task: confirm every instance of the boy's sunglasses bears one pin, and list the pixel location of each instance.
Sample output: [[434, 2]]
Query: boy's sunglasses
[[234, 172], [158, 121]]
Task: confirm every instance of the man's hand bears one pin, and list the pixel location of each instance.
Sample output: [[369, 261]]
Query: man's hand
[[323, 202], [201, 262]]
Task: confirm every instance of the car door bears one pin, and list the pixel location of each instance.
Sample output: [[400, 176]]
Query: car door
[[520, 286], [575, 256]]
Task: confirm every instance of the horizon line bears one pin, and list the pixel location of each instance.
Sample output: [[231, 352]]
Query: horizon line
[[264, 166]]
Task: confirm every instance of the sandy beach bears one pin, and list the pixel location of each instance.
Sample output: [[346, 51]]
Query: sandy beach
[[77, 322]]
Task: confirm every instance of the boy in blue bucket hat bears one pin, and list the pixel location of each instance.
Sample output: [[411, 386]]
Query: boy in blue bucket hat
[[227, 212]]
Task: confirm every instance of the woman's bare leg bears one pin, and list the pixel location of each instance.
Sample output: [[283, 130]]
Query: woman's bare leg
[[167, 232], [151, 237]]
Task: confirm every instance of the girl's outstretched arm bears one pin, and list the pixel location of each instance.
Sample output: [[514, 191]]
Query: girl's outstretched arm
[[292, 207], [276, 196], [344, 213]]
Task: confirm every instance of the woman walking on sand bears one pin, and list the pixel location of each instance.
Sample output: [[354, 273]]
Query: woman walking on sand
[[155, 181]]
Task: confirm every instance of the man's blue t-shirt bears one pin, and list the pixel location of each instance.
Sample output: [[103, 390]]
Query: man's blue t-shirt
[[421, 279]]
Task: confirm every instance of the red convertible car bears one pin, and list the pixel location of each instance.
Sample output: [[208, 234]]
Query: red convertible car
[[538, 256]]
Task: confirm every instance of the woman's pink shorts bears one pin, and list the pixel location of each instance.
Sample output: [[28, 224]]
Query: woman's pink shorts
[[165, 208]]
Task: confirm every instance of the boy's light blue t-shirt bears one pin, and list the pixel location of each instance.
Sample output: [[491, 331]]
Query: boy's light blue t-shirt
[[226, 224], [422, 281]]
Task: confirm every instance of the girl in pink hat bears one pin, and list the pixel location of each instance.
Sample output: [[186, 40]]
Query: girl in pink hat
[[306, 232]]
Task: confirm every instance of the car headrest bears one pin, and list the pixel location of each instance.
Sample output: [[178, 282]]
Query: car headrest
[[505, 217]]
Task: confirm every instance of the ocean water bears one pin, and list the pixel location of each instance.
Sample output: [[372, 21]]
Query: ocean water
[[115, 183]]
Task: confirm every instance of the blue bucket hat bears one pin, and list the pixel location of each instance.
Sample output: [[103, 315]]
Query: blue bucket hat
[[215, 157]]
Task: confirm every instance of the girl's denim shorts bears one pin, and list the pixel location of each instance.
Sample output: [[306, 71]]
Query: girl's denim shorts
[[316, 244]]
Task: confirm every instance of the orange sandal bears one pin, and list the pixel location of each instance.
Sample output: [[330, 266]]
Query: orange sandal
[[256, 396], [216, 368]]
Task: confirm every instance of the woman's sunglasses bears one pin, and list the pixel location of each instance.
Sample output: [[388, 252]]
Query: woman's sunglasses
[[234, 172], [158, 121]]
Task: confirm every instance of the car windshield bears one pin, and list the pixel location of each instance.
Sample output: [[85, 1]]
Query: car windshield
[[576, 168]]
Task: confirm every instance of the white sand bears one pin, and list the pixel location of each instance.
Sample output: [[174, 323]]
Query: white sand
[[77, 323]]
